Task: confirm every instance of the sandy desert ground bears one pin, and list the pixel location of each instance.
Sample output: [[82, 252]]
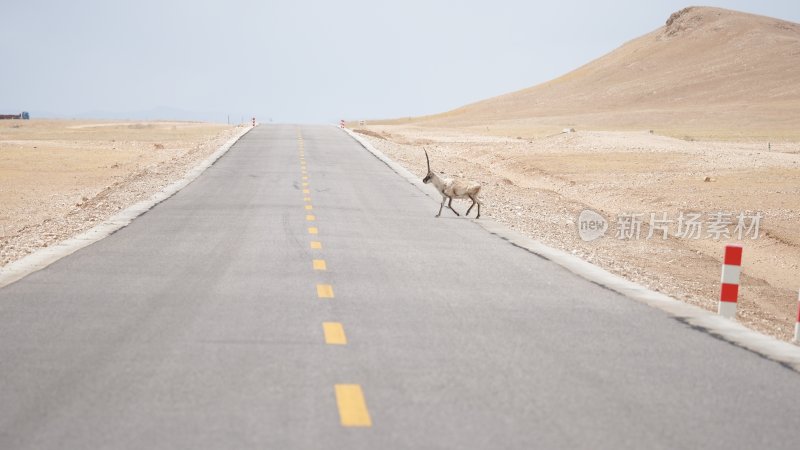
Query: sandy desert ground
[[60, 177], [540, 186]]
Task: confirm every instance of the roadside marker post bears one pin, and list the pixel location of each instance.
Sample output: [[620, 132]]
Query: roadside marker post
[[797, 324], [731, 272]]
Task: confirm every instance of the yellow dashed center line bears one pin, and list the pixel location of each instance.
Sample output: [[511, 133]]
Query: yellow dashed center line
[[324, 291], [350, 401], [352, 407], [334, 333]]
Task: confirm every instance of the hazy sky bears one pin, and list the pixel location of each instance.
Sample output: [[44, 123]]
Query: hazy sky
[[306, 60]]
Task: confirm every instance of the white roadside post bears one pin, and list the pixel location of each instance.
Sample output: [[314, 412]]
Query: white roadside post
[[797, 324], [731, 271]]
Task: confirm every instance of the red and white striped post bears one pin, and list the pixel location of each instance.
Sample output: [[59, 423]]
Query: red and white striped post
[[254, 121], [797, 324], [731, 271]]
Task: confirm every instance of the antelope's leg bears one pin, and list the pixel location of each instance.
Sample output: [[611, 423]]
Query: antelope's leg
[[470, 206], [450, 205], [479, 210], [441, 206]]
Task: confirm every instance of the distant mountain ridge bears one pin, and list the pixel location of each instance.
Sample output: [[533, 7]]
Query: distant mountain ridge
[[707, 70]]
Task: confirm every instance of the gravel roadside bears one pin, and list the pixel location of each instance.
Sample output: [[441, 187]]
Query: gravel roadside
[[540, 186]]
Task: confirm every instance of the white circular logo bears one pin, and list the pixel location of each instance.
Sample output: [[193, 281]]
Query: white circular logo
[[591, 225]]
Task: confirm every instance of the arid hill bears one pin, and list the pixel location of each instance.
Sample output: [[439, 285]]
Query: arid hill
[[708, 72]]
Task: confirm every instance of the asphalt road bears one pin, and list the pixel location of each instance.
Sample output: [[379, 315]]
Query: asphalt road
[[200, 325]]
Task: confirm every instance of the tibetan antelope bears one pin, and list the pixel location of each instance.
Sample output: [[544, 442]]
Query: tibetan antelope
[[453, 188]]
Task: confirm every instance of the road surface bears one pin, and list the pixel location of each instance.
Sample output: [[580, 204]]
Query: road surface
[[246, 313]]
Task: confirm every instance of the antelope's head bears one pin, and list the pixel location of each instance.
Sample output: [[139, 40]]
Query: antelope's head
[[428, 176]]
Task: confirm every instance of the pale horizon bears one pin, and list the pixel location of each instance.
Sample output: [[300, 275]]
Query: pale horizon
[[306, 62]]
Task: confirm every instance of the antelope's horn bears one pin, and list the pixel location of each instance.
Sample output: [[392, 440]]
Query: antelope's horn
[[427, 159]]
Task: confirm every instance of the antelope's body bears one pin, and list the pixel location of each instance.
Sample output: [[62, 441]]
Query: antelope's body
[[451, 188]]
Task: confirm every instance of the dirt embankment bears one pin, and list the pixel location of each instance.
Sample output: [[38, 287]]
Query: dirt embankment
[[709, 73], [59, 178], [539, 186]]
